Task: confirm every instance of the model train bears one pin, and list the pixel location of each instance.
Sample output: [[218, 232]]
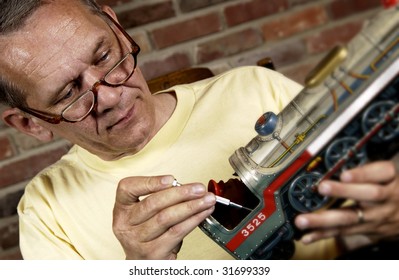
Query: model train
[[346, 115]]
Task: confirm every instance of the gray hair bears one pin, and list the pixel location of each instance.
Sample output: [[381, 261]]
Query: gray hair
[[13, 15]]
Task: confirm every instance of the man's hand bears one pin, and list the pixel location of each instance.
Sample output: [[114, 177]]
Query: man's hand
[[375, 189], [154, 227]]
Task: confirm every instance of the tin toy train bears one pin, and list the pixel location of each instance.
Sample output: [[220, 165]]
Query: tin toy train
[[346, 115]]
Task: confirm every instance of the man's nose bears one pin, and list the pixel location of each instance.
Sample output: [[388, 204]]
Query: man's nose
[[107, 96]]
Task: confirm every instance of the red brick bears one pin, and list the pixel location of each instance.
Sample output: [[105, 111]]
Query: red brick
[[299, 72], [294, 23], [155, 68], [6, 149], [26, 168], [344, 8], [186, 30], [9, 202], [141, 38], [25, 142], [250, 58], [192, 5], [331, 37], [145, 14], [243, 12], [283, 55], [228, 45], [288, 53], [293, 3], [12, 254], [9, 235]]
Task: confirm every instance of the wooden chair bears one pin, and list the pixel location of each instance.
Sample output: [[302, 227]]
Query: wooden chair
[[191, 75], [184, 76]]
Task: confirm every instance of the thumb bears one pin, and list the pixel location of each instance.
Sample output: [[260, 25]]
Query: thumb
[[130, 189]]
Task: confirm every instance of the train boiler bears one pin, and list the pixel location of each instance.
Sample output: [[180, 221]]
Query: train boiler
[[346, 115]]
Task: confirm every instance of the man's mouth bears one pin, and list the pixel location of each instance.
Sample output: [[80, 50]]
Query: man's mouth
[[123, 120]]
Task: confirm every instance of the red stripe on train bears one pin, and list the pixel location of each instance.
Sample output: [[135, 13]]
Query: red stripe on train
[[270, 203]]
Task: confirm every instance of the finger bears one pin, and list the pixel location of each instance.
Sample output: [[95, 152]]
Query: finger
[[168, 218], [175, 251], [157, 202], [371, 231], [130, 189], [330, 233], [329, 219], [373, 216], [360, 192], [380, 214], [375, 172], [127, 196], [324, 233], [318, 235]]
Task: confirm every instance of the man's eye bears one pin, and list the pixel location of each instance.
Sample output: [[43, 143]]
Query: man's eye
[[67, 95], [104, 58]]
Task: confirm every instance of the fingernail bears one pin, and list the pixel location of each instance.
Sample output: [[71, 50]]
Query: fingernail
[[167, 180], [306, 239], [346, 176], [302, 223], [209, 198], [198, 189], [324, 188]]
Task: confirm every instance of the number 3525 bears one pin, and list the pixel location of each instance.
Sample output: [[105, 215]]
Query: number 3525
[[255, 223]]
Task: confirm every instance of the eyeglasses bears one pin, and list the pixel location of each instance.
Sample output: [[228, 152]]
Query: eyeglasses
[[83, 105]]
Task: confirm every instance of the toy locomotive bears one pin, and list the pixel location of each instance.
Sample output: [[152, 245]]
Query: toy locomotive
[[346, 115]]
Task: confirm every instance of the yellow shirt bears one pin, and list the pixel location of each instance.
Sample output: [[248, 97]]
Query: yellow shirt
[[66, 211]]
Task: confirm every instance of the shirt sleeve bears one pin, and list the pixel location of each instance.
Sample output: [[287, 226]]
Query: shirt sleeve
[[40, 235]]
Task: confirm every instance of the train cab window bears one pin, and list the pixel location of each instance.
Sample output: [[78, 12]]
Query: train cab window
[[227, 216]]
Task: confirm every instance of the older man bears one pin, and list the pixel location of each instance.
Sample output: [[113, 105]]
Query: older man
[[69, 69]]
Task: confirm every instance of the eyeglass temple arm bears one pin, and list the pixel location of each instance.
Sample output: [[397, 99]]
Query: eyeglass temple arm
[[54, 119]]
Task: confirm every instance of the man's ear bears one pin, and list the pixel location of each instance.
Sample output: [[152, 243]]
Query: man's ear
[[27, 125], [109, 11]]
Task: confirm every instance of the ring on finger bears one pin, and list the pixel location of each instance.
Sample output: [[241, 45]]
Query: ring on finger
[[360, 214]]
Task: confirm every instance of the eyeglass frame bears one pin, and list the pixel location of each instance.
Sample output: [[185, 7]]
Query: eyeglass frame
[[56, 119]]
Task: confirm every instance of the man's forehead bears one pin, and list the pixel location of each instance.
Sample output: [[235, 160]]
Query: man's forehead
[[58, 20], [52, 23], [52, 37]]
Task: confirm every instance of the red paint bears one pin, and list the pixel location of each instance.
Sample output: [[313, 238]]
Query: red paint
[[389, 3]]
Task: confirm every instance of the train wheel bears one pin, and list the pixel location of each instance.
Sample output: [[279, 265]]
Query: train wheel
[[374, 114], [302, 195], [338, 150]]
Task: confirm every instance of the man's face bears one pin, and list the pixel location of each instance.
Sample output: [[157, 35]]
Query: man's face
[[61, 45]]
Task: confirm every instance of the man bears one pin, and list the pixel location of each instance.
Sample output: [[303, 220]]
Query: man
[[69, 69]]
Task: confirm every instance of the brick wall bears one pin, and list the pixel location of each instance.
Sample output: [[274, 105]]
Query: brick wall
[[175, 34]]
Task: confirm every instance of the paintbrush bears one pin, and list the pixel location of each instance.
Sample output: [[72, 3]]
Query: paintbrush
[[219, 199]]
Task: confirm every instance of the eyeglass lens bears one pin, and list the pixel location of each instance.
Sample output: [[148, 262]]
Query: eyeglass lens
[[117, 75]]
